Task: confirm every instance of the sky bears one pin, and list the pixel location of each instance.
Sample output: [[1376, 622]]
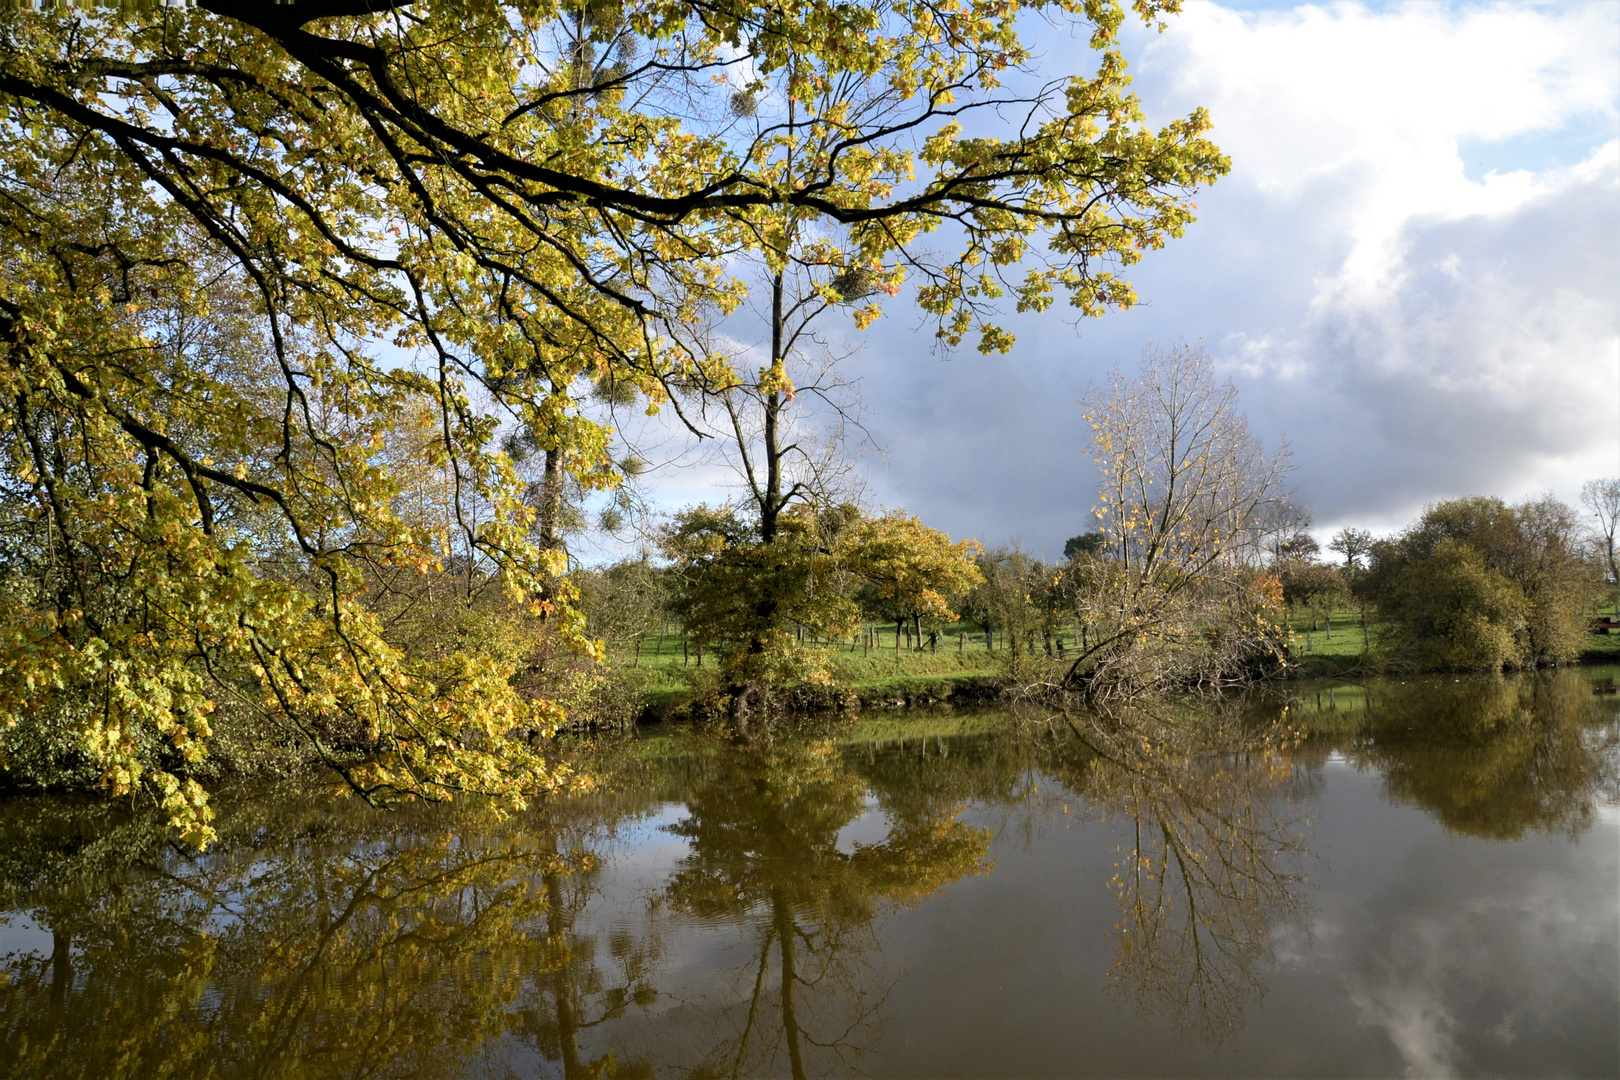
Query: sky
[[1411, 274]]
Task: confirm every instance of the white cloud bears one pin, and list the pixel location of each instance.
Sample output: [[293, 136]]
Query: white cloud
[[1430, 969], [1463, 331], [1412, 271]]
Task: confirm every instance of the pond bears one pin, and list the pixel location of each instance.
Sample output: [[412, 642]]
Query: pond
[[1414, 877]]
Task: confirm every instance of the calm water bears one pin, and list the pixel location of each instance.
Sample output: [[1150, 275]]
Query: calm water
[[1418, 877]]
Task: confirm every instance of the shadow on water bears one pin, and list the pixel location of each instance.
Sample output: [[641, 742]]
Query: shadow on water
[[320, 938]]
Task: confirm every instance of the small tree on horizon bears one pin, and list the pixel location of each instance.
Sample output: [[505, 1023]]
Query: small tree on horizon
[[1602, 499], [1087, 543]]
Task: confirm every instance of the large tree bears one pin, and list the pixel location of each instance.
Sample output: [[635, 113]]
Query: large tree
[[527, 197]]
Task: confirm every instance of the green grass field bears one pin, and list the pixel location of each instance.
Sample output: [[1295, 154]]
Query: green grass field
[[1340, 635], [875, 673], [880, 674]]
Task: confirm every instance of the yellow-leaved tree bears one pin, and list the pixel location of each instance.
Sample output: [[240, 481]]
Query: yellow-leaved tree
[[525, 199]]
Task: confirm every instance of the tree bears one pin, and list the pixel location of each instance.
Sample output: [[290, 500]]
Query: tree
[[1477, 585], [909, 571], [1185, 489], [566, 181], [623, 601], [1312, 589], [745, 599], [1000, 601], [194, 540], [528, 198], [1297, 545], [785, 462], [1602, 500], [1088, 543], [1354, 545], [784, 427]]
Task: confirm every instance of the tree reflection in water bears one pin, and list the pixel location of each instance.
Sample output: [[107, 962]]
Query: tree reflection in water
[[317, 939], [1212, 871], [322, 939], [567, 993], [310, 943], [1496, 757], [765, 852]]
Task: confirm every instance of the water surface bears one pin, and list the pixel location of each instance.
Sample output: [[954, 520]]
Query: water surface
[[1418, 877]]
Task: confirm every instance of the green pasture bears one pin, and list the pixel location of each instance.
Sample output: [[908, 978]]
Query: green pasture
[[960, 652], [870, 664]]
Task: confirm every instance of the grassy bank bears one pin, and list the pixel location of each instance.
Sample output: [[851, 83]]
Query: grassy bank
[[960, 666], [963, 667], [1339, 647]]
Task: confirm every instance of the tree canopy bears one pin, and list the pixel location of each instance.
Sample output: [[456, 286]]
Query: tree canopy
[[467, 214], [1477, 585]]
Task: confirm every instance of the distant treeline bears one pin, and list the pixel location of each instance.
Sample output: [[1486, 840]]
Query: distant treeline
[[1475, 584]]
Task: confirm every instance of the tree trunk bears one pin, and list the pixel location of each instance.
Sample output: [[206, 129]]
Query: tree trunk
[[899, 624], [551, 498], [772, 505], [61, 964]]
